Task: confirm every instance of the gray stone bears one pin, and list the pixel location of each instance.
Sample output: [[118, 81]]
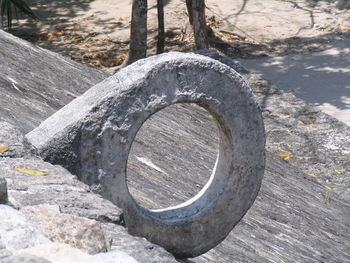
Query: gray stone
[[24, 258], [92, 136], [82, 233], [58, 187], [112, 257], [62, 253], [4, 253], [3, 191], [13, 139], [47, 81], [57, 253], [139, 248], [16, 233]]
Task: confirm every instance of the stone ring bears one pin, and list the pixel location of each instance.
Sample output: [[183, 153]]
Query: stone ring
[[93, 134]]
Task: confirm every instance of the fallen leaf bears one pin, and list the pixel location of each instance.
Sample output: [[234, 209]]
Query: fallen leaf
[[285, 156], [342, 157], [31, 172], [277, 149], [312, 175], [289, 145], [337, 171], [328, 188], [4, 148]]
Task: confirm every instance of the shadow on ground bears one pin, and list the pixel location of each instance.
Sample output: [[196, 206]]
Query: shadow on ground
[[320, 78]]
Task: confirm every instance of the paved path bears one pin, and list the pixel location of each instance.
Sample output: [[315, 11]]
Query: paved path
[[322, 78]]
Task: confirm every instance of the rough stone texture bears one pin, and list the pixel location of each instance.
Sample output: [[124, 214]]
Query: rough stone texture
[[137, 247], [3, 191], [290, 221], [35, 82], [59, 187], [92, 136], [112, 257], [4, 253], [78, 232], [24, 258], [17, 144], [62, 253], [16, 233]]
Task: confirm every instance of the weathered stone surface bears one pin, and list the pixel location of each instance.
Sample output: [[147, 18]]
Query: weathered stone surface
[[4, 253], [137, 247], [16, 233], [24, 258], [62, 253], [57, 252], [59, 187], [92, 136], [112, 257], [13, 139], [46, 80], [75, 231], [3, 191]]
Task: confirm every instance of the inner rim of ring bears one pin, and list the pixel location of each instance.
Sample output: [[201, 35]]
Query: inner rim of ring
[[207, 196]]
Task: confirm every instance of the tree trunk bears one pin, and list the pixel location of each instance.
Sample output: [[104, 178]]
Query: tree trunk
[[161, 30], [199, 24], [138, 32], [196, 15], [189, 11]]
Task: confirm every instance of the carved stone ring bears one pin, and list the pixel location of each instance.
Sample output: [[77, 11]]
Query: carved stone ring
[[92, 136]]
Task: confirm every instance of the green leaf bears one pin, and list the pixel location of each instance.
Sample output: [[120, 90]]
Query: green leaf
[[31, 172], [337, 171], [328, 188]]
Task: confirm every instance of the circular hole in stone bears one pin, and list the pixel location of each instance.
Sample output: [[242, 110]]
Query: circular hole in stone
[[172, 156]]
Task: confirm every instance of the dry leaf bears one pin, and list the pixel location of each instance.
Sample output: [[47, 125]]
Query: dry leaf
[[285, 156], [342, 157], [31, 172], [4, 148], [313, 175]]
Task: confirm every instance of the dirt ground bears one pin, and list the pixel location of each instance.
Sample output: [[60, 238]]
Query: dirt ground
[[96, 32]]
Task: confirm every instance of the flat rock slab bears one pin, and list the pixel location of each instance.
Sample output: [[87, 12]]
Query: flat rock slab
[[47, 81], [16, 232], [56, 187]]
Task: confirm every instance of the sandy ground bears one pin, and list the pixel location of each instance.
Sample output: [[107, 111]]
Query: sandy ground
[[270, 33]]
